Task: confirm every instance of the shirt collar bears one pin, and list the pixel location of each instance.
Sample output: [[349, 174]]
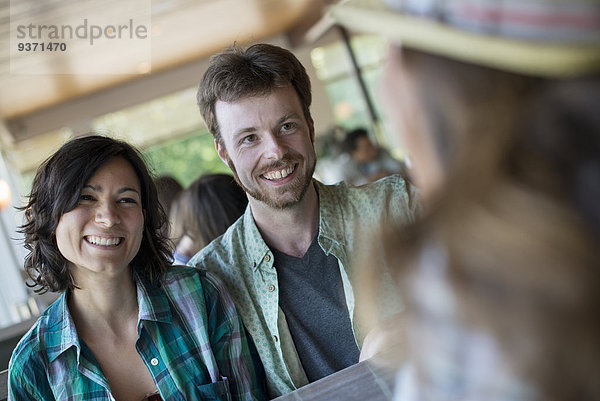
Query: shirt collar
[[331, 222], [153, 303], [60, 332], [331, 229], [257, 249]]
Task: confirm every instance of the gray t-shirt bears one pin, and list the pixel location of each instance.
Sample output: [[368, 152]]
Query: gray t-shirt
[[312, 297]]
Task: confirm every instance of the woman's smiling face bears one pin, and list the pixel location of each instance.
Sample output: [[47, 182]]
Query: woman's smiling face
[[103, 233]]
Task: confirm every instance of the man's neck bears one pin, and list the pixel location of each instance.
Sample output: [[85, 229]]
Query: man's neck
[[290, 230]]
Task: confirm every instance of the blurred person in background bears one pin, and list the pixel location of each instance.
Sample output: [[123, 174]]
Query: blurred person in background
[[126, 326], [203, 211], [168, 189], [367, 162], [497, 105]]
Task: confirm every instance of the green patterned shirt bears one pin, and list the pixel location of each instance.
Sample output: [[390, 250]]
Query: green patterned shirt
[[241, 258], [190, 338]]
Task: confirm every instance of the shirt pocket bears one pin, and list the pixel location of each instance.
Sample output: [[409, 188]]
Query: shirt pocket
[[217, 391]]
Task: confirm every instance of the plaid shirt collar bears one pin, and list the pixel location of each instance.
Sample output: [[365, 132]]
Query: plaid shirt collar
[[153, 305]]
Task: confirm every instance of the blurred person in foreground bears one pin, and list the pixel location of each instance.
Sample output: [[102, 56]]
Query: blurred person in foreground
[[288, 261], [367, 162], [126, 326], [204, 211], [497, 105]]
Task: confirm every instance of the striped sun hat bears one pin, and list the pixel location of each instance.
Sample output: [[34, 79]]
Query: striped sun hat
[[551, 38]]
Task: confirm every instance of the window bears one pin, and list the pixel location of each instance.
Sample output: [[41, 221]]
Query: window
[[334, 68], [171, 134]]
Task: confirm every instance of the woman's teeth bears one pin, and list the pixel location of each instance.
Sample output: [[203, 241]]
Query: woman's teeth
[[103, 241]]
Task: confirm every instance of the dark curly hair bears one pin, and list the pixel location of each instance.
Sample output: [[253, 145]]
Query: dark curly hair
[[236, 73], [55, 191]]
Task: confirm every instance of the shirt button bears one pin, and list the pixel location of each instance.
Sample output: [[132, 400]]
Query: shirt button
[[153, 361], [267, 258], [275, 338], [271, 288]]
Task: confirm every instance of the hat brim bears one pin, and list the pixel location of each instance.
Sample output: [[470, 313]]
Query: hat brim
[[555, 60]]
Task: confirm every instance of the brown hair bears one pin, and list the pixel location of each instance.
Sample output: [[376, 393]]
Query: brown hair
[[168, 188], [205, 209], [236, 73]]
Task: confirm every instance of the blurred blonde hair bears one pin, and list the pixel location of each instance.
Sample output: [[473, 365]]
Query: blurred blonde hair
[[517, 217]]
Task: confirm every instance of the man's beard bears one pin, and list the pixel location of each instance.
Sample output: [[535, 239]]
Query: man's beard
[[297, 188]]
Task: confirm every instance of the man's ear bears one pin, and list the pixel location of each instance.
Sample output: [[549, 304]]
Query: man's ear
[[221, 151]]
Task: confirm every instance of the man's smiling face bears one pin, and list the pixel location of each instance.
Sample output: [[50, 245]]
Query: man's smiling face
[[268, 144]]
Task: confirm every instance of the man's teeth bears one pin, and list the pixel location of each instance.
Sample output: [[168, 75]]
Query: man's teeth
[[103, 241], [278, 174]]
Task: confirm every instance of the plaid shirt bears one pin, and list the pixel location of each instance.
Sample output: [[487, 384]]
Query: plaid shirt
[[189, 336]]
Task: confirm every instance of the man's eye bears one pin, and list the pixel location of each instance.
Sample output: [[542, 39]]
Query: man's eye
[[249, 138]]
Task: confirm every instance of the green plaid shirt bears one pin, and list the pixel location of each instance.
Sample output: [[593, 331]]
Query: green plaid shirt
[[350, 219], [189, 336]]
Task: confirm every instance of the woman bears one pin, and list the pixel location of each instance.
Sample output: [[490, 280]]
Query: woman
[[125, 327], [497, 105], [203, 211]]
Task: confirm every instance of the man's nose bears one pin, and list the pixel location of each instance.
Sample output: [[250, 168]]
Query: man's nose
[[274, 147]]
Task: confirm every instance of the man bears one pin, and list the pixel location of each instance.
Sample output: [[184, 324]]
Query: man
[[287, 261], [368, 162]]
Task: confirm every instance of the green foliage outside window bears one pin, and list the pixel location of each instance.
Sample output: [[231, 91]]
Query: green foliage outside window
[[186, 158]]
